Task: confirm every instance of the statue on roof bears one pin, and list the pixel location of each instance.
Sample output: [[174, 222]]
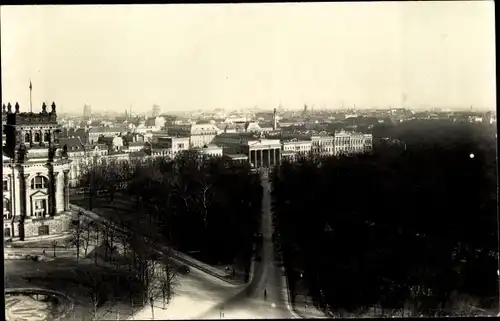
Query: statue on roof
[[53, 107], [9, 108], [17, 108]]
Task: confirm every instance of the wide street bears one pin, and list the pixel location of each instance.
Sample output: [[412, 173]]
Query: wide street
[[249, 302]]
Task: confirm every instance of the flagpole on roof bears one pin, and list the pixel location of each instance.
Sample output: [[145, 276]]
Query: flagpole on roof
[[31, 104]]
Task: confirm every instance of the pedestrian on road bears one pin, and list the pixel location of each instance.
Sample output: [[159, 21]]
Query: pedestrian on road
[[265, 294], [43, 252]]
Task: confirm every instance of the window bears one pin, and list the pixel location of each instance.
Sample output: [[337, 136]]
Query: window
[[39, 207], [5, 185], [37, 137], [43, 230], [27, 137], [39, 182], [46, 137], [6, 209], [6, 232]]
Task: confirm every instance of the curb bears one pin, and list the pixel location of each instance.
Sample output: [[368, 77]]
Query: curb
[[14, 256], [252, 266], [289, 303], [25, 257], [70, 304], [184, 258], [187, 262]]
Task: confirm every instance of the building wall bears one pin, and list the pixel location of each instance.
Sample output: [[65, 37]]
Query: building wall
[[352, 143], [57, 225], [323, 145], [200, 140], [301, 147], [199, 134], [22, 196], [231, 142], [211, 151], [180, 144]]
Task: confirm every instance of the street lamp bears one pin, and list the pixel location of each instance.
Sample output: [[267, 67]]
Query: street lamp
[[151, 302], [54, 244], [78, 232], [221, 312]]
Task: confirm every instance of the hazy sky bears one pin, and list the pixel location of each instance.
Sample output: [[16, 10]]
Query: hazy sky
[[243, 55]]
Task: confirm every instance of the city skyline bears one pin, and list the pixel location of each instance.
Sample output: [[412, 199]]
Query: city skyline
[[191, 57]]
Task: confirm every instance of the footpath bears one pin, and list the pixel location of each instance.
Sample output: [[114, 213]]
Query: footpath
[[42, 246], [305, 308]]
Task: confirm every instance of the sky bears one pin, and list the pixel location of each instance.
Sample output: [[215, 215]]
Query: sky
[[237, 56]]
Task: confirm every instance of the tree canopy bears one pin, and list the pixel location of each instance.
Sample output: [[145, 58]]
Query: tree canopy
[[398, 227], [207, 205]]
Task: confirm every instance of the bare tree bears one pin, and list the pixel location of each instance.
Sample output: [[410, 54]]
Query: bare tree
[[105, 241], [463, 305], [110, 240], [96, 229], [206, 198], [145, 265], [90, 180], [96, 287], [76, 238], [124, 241], [167, 278], [85, 236]]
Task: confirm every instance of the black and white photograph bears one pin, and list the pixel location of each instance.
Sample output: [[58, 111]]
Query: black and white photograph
[[312, 160]]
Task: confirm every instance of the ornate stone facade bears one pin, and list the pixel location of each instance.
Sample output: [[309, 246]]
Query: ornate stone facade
[[35, 180]]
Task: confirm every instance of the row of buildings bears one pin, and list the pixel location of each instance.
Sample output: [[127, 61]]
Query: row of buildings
[[262, 144], [259, 150], [41, 161]]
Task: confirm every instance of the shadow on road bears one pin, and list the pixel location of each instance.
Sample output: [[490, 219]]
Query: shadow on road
[[265, 272]]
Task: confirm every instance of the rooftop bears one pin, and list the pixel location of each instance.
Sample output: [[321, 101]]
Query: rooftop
[[73, 143], [18, 118], [236, 156], [96, 130]]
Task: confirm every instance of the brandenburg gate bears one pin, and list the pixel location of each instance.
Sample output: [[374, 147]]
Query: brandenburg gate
[[263, 153]]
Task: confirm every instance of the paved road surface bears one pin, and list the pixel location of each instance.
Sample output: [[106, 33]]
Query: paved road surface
[[250, 303]]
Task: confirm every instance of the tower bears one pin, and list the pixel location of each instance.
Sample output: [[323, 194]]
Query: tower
[[156, 110], [35, 177], [275, 121], [87, 112]]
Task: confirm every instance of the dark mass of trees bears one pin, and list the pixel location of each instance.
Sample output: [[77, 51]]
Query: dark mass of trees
[[409, 229], [208, 206]]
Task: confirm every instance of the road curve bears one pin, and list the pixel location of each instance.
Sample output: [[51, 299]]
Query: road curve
[[251, 303]]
